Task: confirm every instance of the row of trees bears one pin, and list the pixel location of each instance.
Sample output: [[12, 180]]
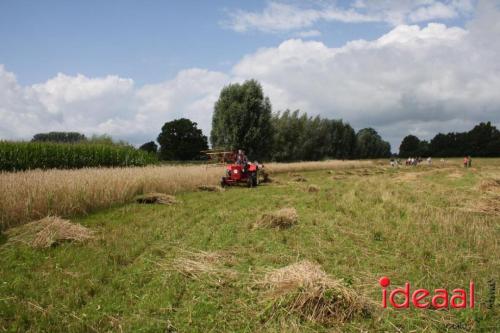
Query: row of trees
[[298, 137], [483, 140], [243, 119]]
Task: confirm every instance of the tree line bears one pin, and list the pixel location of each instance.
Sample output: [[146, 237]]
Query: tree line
[[483, 140], [243, 119]]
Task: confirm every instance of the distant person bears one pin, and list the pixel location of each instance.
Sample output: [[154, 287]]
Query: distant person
[[241, 159], [429, 160], [466, 162], [469, 162]]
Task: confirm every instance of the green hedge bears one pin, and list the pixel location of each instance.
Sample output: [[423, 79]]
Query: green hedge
[[15, 156]]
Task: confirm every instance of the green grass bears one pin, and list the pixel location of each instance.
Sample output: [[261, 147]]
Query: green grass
[[357, 228]]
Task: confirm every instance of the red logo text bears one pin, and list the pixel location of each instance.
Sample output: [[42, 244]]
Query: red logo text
[[401, 298]]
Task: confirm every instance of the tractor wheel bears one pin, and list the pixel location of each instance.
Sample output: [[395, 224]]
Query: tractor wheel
[[255, 179], [223, 182], [249, 182]]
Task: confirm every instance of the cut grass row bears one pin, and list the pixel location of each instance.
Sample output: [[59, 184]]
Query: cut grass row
[[32, 195]]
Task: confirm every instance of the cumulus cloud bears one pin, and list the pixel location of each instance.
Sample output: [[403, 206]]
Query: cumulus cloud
[[422, 80], [110, 104], [281, 16]]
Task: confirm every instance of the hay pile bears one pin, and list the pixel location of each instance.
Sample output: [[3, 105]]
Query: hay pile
[[156, 198], [210, 188], [299, 179], [209, 266], [281, 219], [313, 188], [489, 206], [306, 290], [49, 231], [489, 185], [265, 178]]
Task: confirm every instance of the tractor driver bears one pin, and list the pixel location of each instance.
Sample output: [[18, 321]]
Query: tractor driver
[[242, 160]]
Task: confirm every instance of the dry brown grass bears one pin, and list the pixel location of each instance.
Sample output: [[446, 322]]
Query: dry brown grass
[[313, 188], [486, 205], [156, 198], [311, 166], [299, 178], [208, 266], [306, 290], [489, 185], [49, 231], [265, 178], [210, 188], [281, 219], [30, 195]]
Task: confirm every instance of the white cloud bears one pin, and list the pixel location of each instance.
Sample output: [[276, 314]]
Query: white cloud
[[281, 16], [424, 80], [111, 104]]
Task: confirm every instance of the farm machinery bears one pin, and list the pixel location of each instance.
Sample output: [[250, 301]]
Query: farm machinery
[[237, 173]]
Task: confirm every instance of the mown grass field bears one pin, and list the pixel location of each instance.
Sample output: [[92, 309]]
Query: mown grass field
[[436, 227]]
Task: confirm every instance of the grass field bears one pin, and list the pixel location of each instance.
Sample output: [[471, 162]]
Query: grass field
[[438, 227]]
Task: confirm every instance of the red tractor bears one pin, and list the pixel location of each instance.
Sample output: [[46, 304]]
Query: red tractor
[[236, 174]]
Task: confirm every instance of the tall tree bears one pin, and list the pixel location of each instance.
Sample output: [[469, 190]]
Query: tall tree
[[299, 137], [242, 120], [410, 146], [484, 140], [369, 144], [181, 139], [150, 147], [289, 135]]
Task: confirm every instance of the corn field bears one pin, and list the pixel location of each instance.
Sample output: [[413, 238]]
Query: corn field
[[18, 156]]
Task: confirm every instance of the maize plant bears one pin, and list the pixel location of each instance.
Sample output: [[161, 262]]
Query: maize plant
[[17, 156]]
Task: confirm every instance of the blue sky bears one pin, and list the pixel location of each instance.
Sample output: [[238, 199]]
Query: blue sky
[[146, 40], [126, 67]]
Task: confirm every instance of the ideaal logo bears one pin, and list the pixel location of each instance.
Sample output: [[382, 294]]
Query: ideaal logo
[[422, 298]]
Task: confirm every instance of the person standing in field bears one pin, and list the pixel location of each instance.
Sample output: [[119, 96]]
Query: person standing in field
[[469, 162], [242, 160], [466, 162]]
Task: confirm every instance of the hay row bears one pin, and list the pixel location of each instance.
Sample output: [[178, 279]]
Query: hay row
[[156, 198], [208, 266], [48, 232], [210, 188], [304, 289], [281, 219], [489, 185]]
